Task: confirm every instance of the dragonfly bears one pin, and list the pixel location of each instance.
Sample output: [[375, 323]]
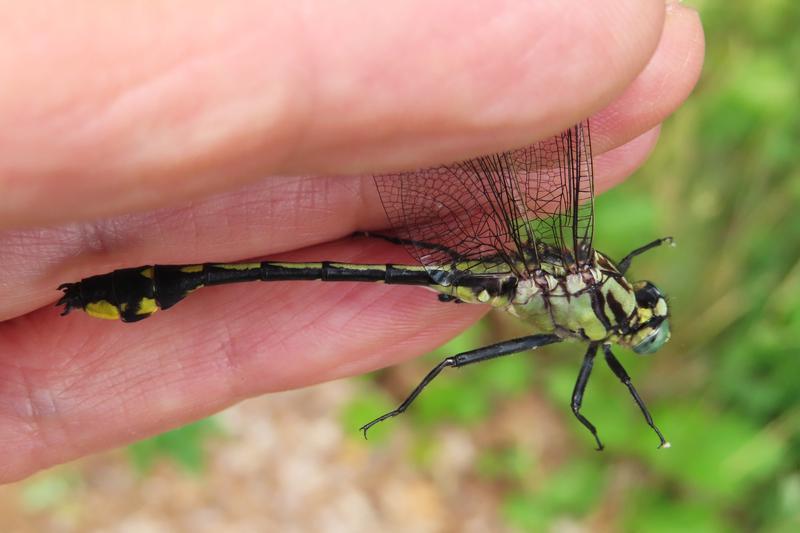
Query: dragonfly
[[511, 230]]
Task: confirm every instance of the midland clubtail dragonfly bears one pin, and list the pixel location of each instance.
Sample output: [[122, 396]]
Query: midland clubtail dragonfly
[[511, 230]]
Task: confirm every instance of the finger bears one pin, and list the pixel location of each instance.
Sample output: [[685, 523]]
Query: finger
[[289, 87], [660, 88], [621, 162], [273, 216]]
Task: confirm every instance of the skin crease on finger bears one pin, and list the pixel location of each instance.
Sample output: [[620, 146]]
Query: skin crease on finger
[[187, 113], [70, 389]]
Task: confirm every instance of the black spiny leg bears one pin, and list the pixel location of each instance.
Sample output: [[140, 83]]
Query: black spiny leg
[[623, 376], [465, 358], [580, 387], [626, 261]]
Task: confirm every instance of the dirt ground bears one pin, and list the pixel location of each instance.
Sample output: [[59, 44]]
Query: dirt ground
[[284, 463]]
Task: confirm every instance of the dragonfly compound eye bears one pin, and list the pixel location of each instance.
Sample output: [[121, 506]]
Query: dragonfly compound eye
[[647, 294], [654, 338]]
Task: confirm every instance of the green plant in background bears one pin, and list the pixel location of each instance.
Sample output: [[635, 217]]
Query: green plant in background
[[184, 446], [571, 492], [50, 491]]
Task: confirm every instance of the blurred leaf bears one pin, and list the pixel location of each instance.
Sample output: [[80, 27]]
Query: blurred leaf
[[183, 445], [522, 509], [574, 488], [652, 512], [48, 490], [453, 400], [367, 405], [785, 514], [423, 452], [569, 492], [613, 226], [506, 376], [511, 464], [717, 452]]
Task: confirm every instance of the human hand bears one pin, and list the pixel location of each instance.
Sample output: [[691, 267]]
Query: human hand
[[119, 121]]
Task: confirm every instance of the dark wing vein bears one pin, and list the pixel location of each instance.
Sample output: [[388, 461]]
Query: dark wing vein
[[503, 213]]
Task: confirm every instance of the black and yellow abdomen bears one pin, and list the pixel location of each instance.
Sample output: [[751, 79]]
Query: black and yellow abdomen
[[132, 294]]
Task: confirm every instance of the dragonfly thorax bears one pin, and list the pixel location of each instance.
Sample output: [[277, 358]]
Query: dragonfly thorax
[[594, 303]]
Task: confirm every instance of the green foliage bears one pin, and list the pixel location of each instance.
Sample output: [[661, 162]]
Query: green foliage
[[570, 492], [655, 513], [183, 445], [49, 490], [512, 464], [466, 395], [368, 405]]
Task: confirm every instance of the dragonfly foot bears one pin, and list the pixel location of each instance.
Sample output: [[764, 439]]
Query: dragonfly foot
[[366, 427]]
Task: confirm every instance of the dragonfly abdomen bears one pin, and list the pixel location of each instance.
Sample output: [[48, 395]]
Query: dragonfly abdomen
[[132, 294]]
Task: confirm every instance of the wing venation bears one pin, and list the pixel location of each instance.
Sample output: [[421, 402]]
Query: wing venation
[[503, 213]]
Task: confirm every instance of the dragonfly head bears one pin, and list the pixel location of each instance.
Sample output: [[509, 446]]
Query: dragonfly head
[[653, 329]]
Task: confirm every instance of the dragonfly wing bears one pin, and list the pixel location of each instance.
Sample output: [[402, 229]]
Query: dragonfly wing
[[559, 181], [498, 214]]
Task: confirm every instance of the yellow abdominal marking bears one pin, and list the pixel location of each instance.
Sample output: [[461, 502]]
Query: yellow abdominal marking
[[238, 266], [350, 266], [102, 309], [192, 269], [147, 306], [292, 265]]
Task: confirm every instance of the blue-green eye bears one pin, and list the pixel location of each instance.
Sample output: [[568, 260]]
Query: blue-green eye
[[653, 342]]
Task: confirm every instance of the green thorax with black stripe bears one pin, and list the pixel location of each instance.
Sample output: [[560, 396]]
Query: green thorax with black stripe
[[596, 303]]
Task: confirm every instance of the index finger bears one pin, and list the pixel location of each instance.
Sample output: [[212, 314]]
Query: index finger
[[140, 118]]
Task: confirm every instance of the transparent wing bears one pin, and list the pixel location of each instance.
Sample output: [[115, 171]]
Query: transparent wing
[[503, 213]]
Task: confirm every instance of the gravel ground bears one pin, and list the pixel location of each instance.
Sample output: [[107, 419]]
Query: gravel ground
[[284, 464]]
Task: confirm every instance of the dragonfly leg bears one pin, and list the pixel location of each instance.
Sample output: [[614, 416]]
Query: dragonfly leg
[[466, 358], [623, 376], [420, 244], [626, 261], [580, 388]]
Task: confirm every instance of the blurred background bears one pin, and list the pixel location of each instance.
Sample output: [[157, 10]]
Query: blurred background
[[495, 447]]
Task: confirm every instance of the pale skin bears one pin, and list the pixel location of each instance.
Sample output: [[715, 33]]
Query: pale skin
[[128, 136]]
